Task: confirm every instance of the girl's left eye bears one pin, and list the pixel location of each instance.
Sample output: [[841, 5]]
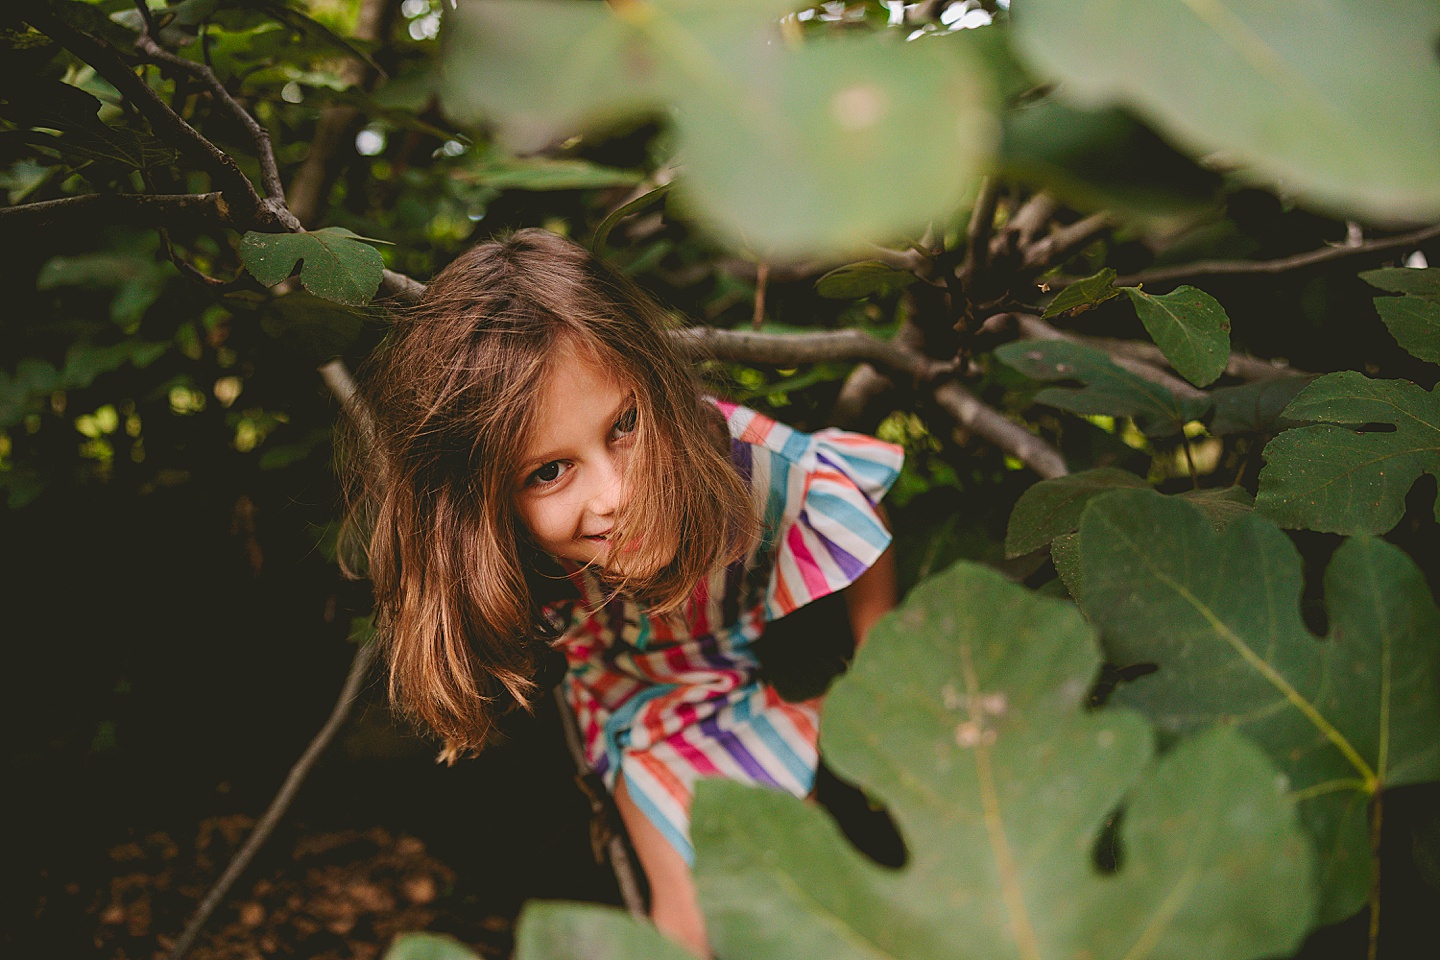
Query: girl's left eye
[[546, 474], [625, 425]]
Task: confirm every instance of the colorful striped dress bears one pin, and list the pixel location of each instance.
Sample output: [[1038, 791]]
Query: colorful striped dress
[[667, 700]]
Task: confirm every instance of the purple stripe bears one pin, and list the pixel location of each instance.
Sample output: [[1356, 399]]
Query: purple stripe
[[738, 751], [740, 456], [851, 567]]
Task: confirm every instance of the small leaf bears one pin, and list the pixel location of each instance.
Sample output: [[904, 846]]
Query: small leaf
[[1343, 475], [1190, 328], [19, 394], [1105, 388], [864, 279], [1413, 319], [1083, 294], [86, 361], [539, 173], [1219, 612], [335, 264]]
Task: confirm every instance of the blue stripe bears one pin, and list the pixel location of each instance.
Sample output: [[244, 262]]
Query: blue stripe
[[779, 493], [803, 773], [619, 722], [849, 516], [796, 445], [875, 474], [668, 830]]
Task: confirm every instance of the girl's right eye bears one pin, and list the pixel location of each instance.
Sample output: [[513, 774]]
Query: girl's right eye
[[547, 474]]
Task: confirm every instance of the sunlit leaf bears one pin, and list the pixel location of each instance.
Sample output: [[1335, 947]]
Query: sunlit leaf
[[1219, 612], [1413, 319], [1245, 81], [1104, 387], [1190, 328], [1350, 472], [865, 279], [335, 264], [1083, 294], [965, 715]]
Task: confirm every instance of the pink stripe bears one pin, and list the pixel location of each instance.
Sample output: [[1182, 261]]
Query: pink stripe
[[815, 583]]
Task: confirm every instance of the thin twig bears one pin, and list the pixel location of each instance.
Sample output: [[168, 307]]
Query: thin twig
[[1327, 254], [977, 233], [762, 280], [1063, 243], [359, 666], [1028, 222]]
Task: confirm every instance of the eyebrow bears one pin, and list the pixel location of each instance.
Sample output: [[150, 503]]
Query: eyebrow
[[530, 464]]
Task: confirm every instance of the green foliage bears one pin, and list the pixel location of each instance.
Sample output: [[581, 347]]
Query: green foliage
[[782, 142], [1255, 408], [1190, 328], [334, 263], [1413, 319], [1219, 613], [1105, 388], [1350, 472], [428, 946], [1244, 80], [1083, 294], [965, 715], [868, 278]]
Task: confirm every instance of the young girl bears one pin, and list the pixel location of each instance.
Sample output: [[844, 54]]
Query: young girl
[[545, 475]]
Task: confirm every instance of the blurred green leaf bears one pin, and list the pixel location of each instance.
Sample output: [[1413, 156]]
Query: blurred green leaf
[[786, 150], [19, 392], [1190, 328], [1220, 614], [1350, 473], [1105, 388], [313, 326], [336, 265], [1413, 319], [867, 278], [429, 946], [1083, 294], [550, 931], [1245, 81], [86, 361]]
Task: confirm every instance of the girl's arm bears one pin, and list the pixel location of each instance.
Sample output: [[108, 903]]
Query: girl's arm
[[873, 593]]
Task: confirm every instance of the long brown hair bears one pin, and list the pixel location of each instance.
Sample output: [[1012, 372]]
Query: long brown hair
[[431, 483]]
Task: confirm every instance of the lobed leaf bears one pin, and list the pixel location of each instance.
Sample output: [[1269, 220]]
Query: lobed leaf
[[1244, 80], [964, 714], [1104, 387], [1413, 319], [1349, 473], [1190, 328], [335, 264], [1219, 613]]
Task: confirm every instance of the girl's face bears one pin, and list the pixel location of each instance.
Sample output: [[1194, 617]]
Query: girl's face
[[570, 481]]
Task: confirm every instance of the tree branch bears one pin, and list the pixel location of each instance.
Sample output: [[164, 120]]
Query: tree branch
[[239, 192], [1063, 243], [138, 209], [274, 201], [985, 421], [977, 233], [793, 349], [1229, 268]]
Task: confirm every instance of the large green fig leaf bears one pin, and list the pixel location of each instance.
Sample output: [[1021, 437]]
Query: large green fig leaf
[[334, 263], [1245, 80], [1219, 612], [1414, 319], [1190, 328], [1344, 475], [965, 715], [1105, 388], [784, 146]]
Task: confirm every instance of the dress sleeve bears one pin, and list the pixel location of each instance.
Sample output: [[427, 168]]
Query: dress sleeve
[[831, 533]]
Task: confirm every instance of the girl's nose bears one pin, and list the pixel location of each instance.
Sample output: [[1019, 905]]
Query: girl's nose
[[609, 487]]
